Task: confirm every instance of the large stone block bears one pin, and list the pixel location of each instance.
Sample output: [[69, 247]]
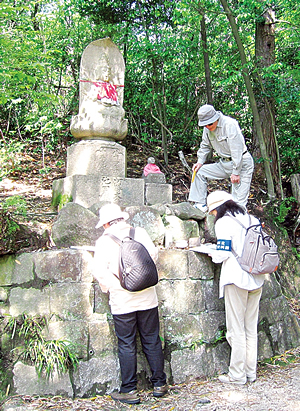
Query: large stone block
[[70, 301], [178, 229], [275, 309], [158, 193], [4, 309], [101, 336], [23, 269], [98, 376], [101, 305], [283, 335], [200, 266], [264, 346], [30, 301], [283, 332], [7, 264], [122, 191], [271, 287], [27, 382], [172, 264], [210, 290], [181, 297], [200, 362], [185, 211], [96, 157], [64, 265], [149, 219], [187, 331], [3, 294], [75, 332], [75, 226], [157, 178]]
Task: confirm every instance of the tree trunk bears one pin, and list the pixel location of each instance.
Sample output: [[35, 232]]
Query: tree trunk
[[256, 119], [206, 61], [157, 88], [265, 57]]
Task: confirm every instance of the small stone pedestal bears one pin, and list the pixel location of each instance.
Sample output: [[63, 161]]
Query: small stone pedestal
[[156, 189], [96, 171], [96, 158]]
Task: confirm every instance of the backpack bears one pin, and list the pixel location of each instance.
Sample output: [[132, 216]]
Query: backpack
[[137, 270], [260, 255]]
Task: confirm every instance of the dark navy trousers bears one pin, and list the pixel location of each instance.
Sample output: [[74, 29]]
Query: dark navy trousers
[[126, 326]]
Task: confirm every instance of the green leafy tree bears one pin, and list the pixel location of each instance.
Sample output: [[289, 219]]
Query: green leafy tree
[[168, 60]]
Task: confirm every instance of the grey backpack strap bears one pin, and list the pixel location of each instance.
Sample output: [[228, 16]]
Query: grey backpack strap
[[113, 237], [118, 241], [241, 224], [238, 221], [132, 232]]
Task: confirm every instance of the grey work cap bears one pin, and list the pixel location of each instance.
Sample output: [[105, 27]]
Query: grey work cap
[[207, 115]]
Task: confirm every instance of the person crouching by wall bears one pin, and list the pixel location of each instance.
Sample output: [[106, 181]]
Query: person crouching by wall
[[131, 311], [241, 290]]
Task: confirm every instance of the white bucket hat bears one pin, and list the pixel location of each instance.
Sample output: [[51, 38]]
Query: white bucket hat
[[110, 212], [217, 198], [207, 115]]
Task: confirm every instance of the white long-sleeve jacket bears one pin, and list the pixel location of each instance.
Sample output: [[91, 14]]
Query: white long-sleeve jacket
[[106, 264], [231, 272]]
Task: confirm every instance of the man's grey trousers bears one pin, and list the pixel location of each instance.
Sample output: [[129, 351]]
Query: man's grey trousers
[[219, 171]]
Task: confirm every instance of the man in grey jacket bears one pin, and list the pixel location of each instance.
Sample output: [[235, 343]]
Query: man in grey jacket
[[223, 135]]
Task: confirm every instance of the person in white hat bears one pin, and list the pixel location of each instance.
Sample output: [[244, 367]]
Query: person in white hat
[[223, 135], [131, 311], [241, 290]]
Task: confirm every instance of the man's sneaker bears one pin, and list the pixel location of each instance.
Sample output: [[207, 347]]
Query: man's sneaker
[[251, 379], [131, 397], [227, 379], [160, 391], [201, 207]]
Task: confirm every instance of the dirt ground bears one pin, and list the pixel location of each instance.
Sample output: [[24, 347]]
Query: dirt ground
[[276, 389]]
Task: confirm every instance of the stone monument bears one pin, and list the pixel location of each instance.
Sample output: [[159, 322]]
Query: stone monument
[[101, 91], [96, 164]]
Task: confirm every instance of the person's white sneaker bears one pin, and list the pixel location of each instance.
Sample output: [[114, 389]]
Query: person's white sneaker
[[201, 207], [225, 378]]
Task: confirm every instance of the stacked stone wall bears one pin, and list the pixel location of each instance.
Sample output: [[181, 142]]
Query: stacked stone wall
[[59, 285]]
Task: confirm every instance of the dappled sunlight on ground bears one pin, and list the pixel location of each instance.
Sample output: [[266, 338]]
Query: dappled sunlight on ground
[[12, 187]]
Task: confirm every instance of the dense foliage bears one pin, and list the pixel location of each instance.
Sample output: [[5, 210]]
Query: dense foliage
[[42, 42]]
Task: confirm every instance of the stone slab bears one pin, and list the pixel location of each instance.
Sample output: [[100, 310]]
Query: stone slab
[[27, 382], [172, 264], [102, 337], [65, 266], [71, 301], [96, 157], [30, 301], [158, 178], [88, 190], [158, 193], [98, 376], [74, 331], [177, 229]]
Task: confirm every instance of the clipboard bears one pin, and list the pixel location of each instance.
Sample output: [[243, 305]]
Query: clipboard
[[206, 248]]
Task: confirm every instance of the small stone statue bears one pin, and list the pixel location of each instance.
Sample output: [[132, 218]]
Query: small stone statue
[[152, 173], [151, 167]]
